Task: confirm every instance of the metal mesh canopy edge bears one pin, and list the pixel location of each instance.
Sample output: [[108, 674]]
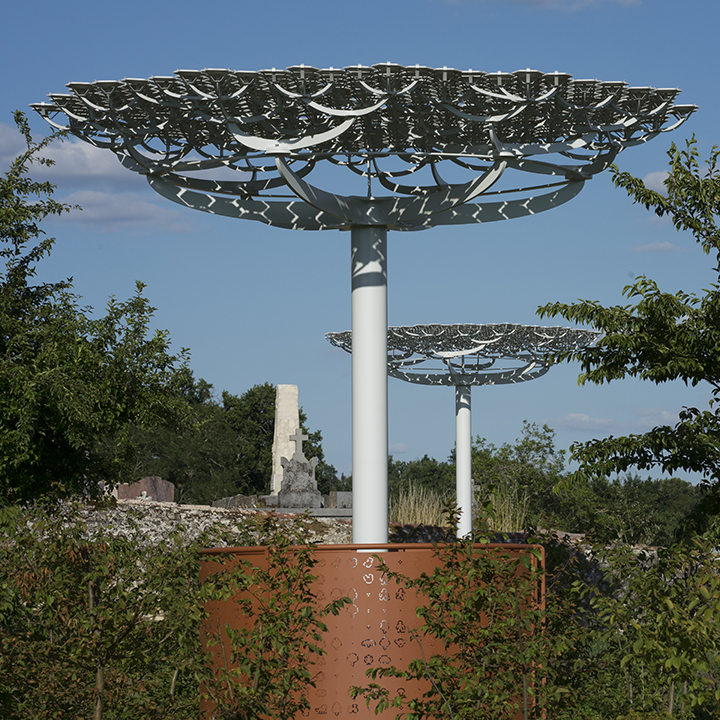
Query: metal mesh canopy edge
[[408, 134], [469, 354]]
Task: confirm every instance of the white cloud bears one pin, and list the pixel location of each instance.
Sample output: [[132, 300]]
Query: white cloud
[[112, 198], [650, 417], [656, 181], [81, 164], [11, 143], [398, 448], [77, 164], [659, 247], [580, 421], [641, 420], [123, 212], [567, 5]]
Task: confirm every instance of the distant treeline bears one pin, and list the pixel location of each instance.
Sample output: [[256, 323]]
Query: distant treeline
[[227, 450]]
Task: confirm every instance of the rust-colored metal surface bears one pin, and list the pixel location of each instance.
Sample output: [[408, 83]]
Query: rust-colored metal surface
[[373, 631]]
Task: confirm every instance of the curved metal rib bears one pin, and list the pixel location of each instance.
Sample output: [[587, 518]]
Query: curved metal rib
[[388, 211]]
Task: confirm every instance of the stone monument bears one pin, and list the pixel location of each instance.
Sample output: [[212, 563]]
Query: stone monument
[[299, 487], [287, 419]]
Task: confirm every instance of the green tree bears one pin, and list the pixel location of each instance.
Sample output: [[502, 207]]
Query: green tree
[[227, 450], [629, 509], [524, 472], [425, 473], [660, 336], [199, 459], [252, 418], [71, 386], [525, 484]]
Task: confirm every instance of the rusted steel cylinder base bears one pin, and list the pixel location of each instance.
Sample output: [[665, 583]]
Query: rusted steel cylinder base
[[373, 631]]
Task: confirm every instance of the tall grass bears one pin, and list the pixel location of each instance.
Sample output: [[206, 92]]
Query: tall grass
[[508, 505], [417, 505]]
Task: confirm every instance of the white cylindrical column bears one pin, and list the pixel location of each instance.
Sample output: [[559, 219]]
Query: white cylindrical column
[[369, 385], [463, 459]]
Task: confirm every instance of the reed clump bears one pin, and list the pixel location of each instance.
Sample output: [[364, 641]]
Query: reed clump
[[418, 505], [506, 507]]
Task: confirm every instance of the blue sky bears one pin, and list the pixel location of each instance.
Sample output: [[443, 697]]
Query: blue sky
[[253, 302]]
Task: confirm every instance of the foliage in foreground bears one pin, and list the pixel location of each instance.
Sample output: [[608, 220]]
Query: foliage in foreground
[[95, 628], [623, 636], [107, 628], [265, 667], [661, 336], [484, 609], [649, 630]]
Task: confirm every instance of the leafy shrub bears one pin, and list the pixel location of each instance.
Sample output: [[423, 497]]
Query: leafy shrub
[[102, 627], [650, 630], [485, 607], [262, 667]]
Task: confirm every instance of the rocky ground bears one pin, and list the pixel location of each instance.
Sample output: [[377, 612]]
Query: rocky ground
[[152, 521]]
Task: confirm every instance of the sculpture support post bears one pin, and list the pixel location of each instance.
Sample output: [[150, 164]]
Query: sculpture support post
[[369, 384], [463, 459]]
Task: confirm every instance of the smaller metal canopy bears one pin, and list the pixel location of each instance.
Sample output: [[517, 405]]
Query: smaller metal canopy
[[494, 354], [467, 355]]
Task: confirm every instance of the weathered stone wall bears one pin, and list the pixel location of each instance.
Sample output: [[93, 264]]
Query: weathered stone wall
[[155, 520]]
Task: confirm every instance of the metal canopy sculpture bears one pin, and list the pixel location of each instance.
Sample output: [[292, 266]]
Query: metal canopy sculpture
[[427, 146], [387, 123], [467, 355]]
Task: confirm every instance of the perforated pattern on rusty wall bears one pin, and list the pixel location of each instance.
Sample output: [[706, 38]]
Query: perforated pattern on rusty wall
[[373, 631]]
